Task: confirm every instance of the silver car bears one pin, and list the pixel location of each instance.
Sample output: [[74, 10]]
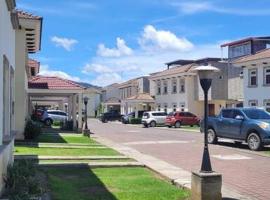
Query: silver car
[[51, 116]]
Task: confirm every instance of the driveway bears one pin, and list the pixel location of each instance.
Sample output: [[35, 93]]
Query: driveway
[[242, 170]]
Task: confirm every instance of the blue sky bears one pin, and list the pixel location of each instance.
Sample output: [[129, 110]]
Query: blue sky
[[107, 41]]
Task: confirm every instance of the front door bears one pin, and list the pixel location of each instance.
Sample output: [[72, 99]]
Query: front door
[[211, 110]]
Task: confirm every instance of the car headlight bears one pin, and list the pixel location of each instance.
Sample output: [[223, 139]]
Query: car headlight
[[264, 125]]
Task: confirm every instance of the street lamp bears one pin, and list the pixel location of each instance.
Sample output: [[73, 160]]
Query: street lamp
[[85, 100], [205, 74]]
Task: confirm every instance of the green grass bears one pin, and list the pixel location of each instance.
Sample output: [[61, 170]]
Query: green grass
[[68, 138], [24, 150], [191, 127], [110, 184]]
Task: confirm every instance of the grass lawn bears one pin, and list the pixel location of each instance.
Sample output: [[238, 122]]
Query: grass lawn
[[191, 127], [129, 183], [68, 138], [24, 150]]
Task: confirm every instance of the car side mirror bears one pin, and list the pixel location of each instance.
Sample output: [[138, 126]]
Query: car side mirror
[[239, 117]]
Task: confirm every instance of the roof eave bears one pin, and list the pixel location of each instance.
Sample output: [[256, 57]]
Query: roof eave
[[11, 4]]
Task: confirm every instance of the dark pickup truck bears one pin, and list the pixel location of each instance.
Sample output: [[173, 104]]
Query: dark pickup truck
[[112, 115], [251, 125]]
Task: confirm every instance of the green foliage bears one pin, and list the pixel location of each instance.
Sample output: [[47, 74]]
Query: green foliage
[[135, 121], [32, 129], [56, 123], [21, 181]]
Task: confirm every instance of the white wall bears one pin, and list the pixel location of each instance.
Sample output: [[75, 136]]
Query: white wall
[[93, 102]]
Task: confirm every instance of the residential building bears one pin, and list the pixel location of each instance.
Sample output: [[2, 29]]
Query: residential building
[[178, 89], [8, 25], [135, 95], [256, 75], [110, 98], [237, 49], [28, 41]]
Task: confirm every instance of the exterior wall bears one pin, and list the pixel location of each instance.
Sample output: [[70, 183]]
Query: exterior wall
[[110, 92], [20, 84], [7, 49], [93, 103], [235, 83], [259, 93]]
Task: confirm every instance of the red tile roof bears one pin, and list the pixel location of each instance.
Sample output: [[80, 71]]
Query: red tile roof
[[142, 97], [257, 56], [26, 15], [56, 83]]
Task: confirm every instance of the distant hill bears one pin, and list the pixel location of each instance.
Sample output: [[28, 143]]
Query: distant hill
[[88, 85]]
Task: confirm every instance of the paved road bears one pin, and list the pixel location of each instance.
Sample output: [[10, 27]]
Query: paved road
[[242, 170]]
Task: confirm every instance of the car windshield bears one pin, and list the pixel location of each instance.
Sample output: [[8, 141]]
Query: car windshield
[[257, 114], [171, 114]]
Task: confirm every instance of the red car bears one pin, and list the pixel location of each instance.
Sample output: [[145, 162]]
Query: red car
[[177, 119]]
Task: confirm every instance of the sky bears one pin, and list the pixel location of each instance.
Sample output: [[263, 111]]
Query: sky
[[106, 41]]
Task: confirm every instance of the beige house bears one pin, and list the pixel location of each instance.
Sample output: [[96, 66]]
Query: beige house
[[178, 89], [28, 41], [9, 24], [110, 98], [135, 95]]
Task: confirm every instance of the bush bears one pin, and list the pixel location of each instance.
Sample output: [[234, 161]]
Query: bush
[[32, 130], [135, 121], [21, 181], [56, 123]]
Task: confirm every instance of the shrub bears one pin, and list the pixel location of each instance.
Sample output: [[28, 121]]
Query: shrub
[[135, 120], [32, 130], [56, 123], [21, 181]]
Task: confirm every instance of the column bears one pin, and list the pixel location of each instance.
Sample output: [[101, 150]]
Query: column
[[74, 111], [69, 107], [80, 104]]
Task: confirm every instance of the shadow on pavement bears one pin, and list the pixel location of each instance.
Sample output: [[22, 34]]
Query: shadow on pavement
[[239, 146]]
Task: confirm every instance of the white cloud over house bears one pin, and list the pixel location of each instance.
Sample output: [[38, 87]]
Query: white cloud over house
[[153, 39], [66, 43], [46, 71], [121, 49]]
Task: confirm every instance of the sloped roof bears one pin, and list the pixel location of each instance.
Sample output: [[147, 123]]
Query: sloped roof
[[257, 56], [26, 15], [266, 38], [113, 100], [142, 97], [45, 82], [174, 70]]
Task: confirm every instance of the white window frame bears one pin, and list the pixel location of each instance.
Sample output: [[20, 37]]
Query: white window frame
[[158, 88], [265, 74], [165, 85], [251, 102], [251, 75], [182, 84], [266, 104], [174, 107], [174, 86], [182, 106]]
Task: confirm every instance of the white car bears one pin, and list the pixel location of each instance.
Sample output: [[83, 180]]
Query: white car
[[51, 116], [153, 118]]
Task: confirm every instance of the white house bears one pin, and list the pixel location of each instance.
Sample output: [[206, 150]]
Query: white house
[[256, 74], [8, 25], [110, 98], [178, 88]]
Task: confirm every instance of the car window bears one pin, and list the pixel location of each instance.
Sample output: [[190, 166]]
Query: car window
[[237, 113], [189, 114], [146, 115], [227, 113], [181, 114], [62, 113], [171, 114], [257, 114]]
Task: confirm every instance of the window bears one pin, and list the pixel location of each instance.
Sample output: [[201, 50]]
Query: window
[[165, 108], [182, 106], [174, 107], [174, 86], [252, 77], [182, 85], [33, 71], [227, 113], [267, 76], [158, 106], [158, 88], [266, 104], [165, 87], [253, 103]]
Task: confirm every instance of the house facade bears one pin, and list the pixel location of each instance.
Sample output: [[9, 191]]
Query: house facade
[[110, 98], [8, 25], [28, 41], [135, 95], [178, 89], [256, 75]]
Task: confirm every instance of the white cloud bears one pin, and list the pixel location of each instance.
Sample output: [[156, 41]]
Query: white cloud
[[66, 43], [97, 68], [46, 71], [106, 79], [153, 39], [121, 49]]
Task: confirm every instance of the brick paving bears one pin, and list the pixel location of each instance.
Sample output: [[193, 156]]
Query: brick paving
[[248, 175]]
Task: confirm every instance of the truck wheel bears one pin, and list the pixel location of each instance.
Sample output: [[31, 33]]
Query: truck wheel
[[153, 124], [211, 136], [177, 124], [254, 142]]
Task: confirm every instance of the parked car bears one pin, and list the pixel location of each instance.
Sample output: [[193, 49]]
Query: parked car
[[153, 118], [177, 119], [126, 118], [112, 115], [50, 116], [251, 125]]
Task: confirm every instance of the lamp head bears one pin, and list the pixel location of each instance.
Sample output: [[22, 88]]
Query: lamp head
[[85, 99], [206, 72]]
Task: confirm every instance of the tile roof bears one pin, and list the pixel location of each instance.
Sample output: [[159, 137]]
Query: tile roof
[[174, 70], [45, 82], [26, 15], [259, 55], [142, 97]]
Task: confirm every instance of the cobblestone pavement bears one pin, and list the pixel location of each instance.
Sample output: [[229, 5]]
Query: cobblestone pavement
[[242, 170]]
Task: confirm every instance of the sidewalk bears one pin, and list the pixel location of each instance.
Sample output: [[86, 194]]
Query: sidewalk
[[178, 176]]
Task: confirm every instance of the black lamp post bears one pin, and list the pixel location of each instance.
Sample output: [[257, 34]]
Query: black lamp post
[[205, 75], [85, 100]]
